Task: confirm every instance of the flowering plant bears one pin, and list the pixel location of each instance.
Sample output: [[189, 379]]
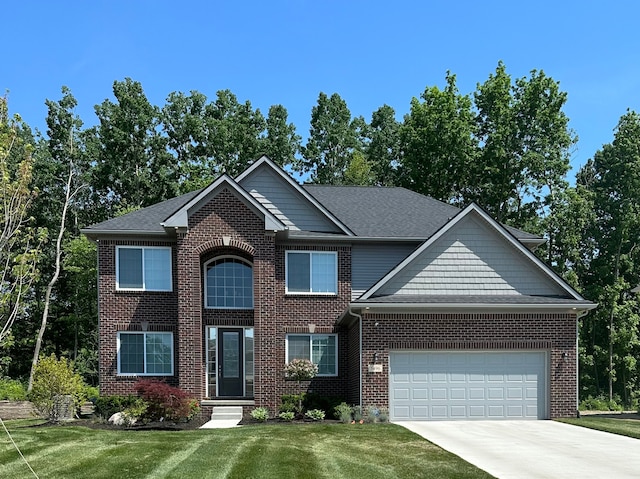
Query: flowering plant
[[300, 370]]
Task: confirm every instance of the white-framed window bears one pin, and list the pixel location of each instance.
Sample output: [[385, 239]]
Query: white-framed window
[[145, 353], [228, 283], [320, 349], [145, 268], [312, 272]]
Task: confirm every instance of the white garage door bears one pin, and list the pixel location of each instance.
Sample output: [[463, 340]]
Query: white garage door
[[467, 385]]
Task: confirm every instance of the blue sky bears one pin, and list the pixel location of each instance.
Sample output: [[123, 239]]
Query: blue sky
[[370, 52]]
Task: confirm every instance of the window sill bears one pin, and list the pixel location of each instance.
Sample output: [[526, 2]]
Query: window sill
[[324, 295]]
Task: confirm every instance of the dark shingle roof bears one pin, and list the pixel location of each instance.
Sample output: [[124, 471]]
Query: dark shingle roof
[[147, 219], [389, 212], [367, 211]]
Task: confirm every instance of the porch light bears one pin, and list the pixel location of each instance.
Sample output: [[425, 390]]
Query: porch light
[[312, 328], [144, 325]]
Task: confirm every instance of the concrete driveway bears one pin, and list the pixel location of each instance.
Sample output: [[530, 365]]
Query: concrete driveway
[[535, 449]]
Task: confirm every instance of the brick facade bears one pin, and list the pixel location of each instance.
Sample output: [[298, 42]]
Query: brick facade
[[227, 226], [554, 334]]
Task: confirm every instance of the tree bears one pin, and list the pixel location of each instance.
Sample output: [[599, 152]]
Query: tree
[[383, 150], [332, 140], [19, 241], [133, 168], [437, 143], [60, 118], [612, 332], [281, 143], [525, 144]]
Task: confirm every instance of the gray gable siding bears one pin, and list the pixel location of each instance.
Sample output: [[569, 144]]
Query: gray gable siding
[[471, 259], [370, 262], [285, 203]]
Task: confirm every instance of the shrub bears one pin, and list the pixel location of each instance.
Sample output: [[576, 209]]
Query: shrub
[[315, 414], [12, 390], [164, 402], [599, 403], [372, 414], [136, 411], [326, 403], [287, 415], [107, 406], [293, 402], [56, 388], [300, 370], [357, 413], [343, 412], [383, 415], [91, 393], [260, 414]]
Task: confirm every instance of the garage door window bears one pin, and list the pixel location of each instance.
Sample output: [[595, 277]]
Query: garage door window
[[320, 349]]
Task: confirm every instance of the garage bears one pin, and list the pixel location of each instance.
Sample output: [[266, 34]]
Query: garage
[[467, 385]]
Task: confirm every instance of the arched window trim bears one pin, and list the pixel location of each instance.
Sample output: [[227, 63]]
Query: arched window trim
[[206, 279]]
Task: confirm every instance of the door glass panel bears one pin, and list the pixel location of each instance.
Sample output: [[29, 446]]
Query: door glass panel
[[230, 353], [211, 362], [248, 361]]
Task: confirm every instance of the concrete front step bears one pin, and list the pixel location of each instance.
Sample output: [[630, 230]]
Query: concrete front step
[[227, 413]]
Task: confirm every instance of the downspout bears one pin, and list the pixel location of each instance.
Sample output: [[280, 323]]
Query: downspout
[[359, 316]]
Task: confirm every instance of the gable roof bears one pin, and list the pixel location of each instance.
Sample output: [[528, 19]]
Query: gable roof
[[569, 297], [265, 162], [180, 218]]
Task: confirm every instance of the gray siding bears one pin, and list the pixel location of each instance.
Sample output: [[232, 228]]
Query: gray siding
[[472, 259], [370, 262], [285, 203]]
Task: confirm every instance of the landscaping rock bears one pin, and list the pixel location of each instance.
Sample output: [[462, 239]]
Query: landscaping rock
[[121, 419]]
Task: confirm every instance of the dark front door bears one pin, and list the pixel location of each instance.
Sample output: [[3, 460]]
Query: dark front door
[[230, 362]]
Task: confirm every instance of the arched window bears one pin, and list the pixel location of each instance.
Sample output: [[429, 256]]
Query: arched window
[[228, 283]]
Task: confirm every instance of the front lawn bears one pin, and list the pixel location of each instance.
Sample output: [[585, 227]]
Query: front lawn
[[624, 427], [266, 451]]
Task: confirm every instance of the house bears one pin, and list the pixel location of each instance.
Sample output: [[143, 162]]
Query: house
[[403, 301]]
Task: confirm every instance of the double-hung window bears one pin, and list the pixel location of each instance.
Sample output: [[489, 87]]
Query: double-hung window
[[312, 272], [145, 354], [320, 349], [143, 268]]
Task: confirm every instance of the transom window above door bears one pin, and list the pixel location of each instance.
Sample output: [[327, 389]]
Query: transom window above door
[[228, 283]]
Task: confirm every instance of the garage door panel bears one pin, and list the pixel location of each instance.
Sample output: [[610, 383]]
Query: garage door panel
[[475, 385]]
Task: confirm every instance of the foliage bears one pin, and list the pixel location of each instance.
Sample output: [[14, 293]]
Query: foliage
[[315, 414], [260, 414], [53, 380], [107, 406], [357, 413], [343, 412], [164, 401], [19, 241], [599, 404], [136, 410], [12, 390], [318, 401], [300, 370], [292, 402], [287, 415]]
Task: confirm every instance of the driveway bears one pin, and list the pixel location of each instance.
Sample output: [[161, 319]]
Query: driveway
[[534, 449]]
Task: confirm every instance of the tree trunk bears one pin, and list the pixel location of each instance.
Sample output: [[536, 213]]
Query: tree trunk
[[54, 279]]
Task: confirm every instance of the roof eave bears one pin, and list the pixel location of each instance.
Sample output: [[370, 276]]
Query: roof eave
[[532, 307], [94, 234]]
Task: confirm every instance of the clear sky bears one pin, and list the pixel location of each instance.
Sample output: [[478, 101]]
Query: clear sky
[[370, 52]]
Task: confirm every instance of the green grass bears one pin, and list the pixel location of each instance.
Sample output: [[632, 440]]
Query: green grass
[[268, 451], [624, 427]]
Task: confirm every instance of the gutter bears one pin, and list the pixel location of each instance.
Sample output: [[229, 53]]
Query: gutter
[[579, 308]]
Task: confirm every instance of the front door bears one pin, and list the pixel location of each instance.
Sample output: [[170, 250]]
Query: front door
[[230, 362]]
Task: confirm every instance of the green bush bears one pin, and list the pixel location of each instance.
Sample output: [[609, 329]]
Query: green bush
[[315, 414], [599, 403], [343, 412], [107, 406], [291, 402], [287, 416], [12, 390], [56, 388], [260, 414]]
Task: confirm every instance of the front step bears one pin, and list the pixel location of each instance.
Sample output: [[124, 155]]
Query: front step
[[225, 413]]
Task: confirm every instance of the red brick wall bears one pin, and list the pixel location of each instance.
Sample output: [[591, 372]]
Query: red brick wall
[[125, 310], [553, 333]]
